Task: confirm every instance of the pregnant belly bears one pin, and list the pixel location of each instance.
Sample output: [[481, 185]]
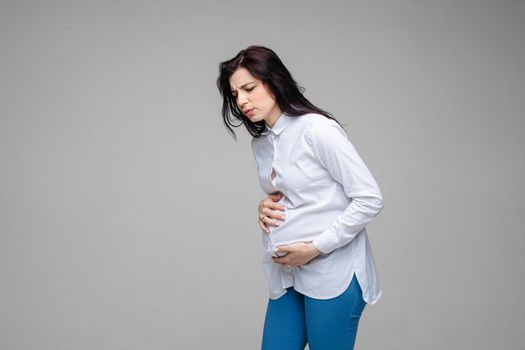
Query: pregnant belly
[[304, 222], [299, 226]]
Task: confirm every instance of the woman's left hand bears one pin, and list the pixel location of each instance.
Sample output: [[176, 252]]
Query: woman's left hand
[[297, 254]]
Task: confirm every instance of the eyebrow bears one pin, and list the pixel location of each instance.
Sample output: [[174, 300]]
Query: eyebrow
[[243, 85]]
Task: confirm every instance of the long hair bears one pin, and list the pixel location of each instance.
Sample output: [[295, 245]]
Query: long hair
[[265, 65]]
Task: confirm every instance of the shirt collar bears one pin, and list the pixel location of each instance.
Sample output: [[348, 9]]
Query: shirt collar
[[279, 125]]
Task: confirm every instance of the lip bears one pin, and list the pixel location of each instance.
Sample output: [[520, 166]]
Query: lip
[[248, 111]]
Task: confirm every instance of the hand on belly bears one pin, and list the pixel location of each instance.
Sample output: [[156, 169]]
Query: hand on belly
[[297, 254]]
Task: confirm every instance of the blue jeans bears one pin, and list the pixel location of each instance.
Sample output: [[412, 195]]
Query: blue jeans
[[294, 320]]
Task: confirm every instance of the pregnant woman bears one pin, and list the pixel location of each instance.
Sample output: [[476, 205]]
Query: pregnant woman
[[317, 257]]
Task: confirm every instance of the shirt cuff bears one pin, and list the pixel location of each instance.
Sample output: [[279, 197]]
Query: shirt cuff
[[327, 241]]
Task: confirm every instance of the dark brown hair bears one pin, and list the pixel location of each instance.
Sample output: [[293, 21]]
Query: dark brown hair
[[265, 65]]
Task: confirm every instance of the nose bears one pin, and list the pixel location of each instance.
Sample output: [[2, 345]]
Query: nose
[[241, 99]]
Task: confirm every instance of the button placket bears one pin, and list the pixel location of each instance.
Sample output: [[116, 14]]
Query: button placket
[[273, 144], [273, 169]]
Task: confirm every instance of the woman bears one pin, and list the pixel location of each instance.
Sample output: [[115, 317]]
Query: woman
[[317, 257]]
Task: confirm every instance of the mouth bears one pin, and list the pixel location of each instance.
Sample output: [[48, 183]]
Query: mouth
[[248, 111]]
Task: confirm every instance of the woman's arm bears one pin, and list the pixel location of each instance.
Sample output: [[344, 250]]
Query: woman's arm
[[341, 160]]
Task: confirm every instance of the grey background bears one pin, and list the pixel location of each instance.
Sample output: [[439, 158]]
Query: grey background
[[128, 214]]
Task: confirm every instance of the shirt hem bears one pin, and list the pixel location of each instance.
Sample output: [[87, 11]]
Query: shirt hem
[[367, 298]]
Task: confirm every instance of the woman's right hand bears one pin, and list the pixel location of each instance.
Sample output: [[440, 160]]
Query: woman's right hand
[[269, 210]]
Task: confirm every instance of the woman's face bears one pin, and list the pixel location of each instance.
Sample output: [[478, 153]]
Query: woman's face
[[253, 97]]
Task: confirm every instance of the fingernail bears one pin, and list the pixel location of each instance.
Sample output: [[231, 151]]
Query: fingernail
[[278, 224]]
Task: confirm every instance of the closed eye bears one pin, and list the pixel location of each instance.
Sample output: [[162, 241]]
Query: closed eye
[[234, 94]]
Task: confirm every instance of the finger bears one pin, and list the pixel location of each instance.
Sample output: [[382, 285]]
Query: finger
[[270, 208], [283, 249], [275, 206], [271, 214], [272, 204], [268, 220], [276, 196], [288, 263], [275, 203], [269, 203], [282, 261], [263, 226], [278, 214]]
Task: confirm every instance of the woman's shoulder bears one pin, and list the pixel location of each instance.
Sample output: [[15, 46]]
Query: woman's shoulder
[[320, 119], [308, 121], [317, 120], [318, 125]]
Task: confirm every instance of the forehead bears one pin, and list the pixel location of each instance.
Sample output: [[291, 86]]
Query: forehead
[[240, 77]]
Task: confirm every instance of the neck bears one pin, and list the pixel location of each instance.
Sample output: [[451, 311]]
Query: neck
[[273, 117]]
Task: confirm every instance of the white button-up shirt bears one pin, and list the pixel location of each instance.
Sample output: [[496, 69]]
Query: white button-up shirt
[[329, 196]]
